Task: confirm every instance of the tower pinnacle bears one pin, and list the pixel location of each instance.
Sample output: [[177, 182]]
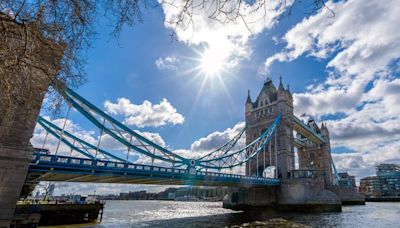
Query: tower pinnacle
[[281, 88], [288, 90], [248, 100]]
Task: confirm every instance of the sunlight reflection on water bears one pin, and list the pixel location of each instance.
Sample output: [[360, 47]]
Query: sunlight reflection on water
[[211, 214]]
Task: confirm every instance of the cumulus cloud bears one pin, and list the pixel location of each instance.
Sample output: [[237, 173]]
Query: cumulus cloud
[[145, 114], [362, 43], [168, 63], [217, 139], [360, 54], [226, 34]]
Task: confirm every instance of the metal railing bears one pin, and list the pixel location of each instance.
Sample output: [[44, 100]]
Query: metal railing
[[85, 162]]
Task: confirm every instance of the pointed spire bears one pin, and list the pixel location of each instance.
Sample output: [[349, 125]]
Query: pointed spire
[[268, 79], [323, 125], [288, 90], [281, 88], [248, 97]]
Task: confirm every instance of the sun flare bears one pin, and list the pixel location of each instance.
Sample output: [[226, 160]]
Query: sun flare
[[212, 62]]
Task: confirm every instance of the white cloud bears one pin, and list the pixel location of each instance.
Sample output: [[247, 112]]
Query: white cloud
[[223, 33], [362, 90], [168, 63], [145, 114], [217, 139], [360, 54]]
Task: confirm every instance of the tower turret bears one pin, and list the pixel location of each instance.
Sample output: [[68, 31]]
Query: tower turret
[[282, 94], [288, 91], [249, 105], [248, 100], [324, 131], [280, 88]]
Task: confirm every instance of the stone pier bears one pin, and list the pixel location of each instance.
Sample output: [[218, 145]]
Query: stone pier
[[294, 195], [22, 90], [14, 165], [250, 198], [307, 195], [348, 195]]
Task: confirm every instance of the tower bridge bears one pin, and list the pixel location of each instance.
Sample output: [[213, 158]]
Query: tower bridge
[[262, 173], [313, 185]]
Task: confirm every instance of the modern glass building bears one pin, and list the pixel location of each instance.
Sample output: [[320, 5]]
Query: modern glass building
[[386, 183]]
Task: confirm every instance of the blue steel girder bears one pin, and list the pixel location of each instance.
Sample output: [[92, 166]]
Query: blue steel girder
[[120, 132], [224, 149], [224, 156], [63, 168], [64, 135], [241, 156]]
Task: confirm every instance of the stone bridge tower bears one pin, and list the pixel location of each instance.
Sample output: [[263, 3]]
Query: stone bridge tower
[[259, 116], [317, 156]]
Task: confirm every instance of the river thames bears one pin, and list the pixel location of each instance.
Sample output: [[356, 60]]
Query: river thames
[[211, 214]]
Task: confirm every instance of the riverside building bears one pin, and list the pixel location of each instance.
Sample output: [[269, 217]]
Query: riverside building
[[385, 185]]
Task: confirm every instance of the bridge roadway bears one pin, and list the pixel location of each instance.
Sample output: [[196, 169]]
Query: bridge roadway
[[46, 167]]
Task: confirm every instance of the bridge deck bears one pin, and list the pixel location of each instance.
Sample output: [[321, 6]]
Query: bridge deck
[[73, 169]]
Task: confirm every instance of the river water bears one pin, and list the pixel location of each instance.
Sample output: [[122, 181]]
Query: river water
[[211, 214]]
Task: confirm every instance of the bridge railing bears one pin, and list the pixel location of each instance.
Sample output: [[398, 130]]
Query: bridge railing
[[75, 161]]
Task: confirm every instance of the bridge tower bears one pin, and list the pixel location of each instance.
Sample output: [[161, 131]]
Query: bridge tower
[[318, 156], [259, 115]]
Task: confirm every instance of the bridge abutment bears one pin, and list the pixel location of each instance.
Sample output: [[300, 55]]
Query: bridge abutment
[[14, 165], [293, 195], [32, 63], [348, 195], [250, 198], [307, 195]]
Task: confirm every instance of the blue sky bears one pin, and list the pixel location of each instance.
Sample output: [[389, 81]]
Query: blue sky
[[125, 67], [343, 69]]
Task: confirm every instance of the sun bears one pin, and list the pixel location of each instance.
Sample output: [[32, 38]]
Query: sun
[[212, 62]]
